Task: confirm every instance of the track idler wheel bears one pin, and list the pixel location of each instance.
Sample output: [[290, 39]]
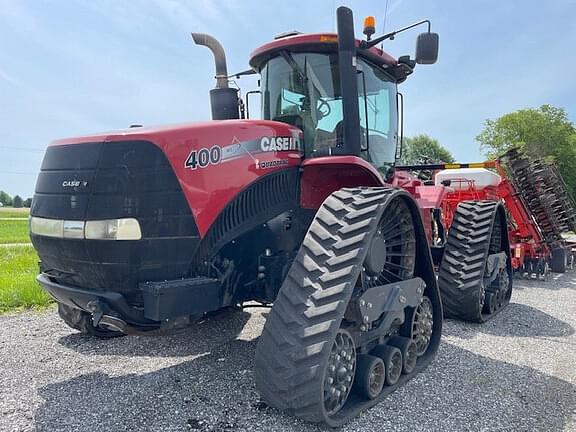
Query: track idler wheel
[[490, 303], [422, 325], [370, 376]]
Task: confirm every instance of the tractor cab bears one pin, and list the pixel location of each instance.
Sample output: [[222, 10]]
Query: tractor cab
[[300, 85], [341, 92]]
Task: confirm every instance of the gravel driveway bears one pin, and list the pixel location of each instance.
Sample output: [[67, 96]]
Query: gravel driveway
[[518, 372]]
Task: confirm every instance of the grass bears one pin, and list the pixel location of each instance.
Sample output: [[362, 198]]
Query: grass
[[9, 212], [14, 231], [18, 264], [18, 286], [14, 225]]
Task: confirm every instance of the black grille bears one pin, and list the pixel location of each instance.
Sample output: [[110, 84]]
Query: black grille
[[113, 180]]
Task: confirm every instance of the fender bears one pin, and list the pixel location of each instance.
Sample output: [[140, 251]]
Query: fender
[[323, 175]]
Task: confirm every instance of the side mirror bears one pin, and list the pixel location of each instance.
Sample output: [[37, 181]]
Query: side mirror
[[427, 48]]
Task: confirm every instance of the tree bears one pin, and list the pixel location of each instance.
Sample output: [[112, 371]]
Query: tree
[[5, 199], [28, 202], [422, 148], [18, 202], [544, 133]]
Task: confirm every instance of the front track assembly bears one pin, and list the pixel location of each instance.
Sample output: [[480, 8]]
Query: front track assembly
[[475, 276], [359, 313]]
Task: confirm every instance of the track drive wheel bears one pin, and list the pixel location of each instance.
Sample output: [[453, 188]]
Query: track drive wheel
[[82, 321], [478, 231], [360, 239]]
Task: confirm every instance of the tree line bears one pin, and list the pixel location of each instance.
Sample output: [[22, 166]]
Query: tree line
[[543, 133], [17, 201]]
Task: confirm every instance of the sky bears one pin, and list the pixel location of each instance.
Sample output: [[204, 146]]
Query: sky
[[83, 66]]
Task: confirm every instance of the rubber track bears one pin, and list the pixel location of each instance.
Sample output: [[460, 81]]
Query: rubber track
[[297, 337], [461, 272]]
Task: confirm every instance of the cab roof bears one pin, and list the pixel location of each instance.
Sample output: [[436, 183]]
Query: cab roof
[[317, 42]]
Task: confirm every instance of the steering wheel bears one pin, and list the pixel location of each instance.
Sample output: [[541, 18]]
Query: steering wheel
[[326, 106]]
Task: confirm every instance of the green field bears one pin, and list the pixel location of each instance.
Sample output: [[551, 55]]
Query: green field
[[18, 264], [14, 225], [18, 287], [14, 231], [9, 212]]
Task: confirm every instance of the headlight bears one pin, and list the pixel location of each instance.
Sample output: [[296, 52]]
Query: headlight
[[113, 229], [47, 227], [74, 229], [110, 229]]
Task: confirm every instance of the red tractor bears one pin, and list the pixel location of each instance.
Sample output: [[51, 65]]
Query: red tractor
[[138, 228]]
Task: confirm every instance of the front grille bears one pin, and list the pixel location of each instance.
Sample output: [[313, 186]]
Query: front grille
[[113, 180]]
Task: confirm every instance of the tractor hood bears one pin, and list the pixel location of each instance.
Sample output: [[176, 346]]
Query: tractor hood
[[212, 161], [169, 136]]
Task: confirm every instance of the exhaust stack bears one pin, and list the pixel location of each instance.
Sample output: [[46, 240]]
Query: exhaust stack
[[223, 99], [348, 81]]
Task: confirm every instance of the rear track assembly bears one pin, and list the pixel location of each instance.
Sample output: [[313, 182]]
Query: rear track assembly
[[475, 276]]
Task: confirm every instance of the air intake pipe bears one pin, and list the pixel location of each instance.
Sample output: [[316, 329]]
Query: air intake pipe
[[223, 99]]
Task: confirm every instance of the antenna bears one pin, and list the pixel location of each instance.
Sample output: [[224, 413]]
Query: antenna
[[385, 16], [334, 19], [384, 23]]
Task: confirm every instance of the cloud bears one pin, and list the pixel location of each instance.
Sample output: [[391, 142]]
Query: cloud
[[11, 80]]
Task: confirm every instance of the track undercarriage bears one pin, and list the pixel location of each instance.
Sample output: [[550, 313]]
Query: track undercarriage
[[475, 276], [359, 312]]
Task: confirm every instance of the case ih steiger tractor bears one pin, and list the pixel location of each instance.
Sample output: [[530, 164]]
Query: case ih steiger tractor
[[138, 228]]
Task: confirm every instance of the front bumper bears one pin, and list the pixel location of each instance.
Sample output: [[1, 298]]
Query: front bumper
[[105, 302], [162, 300]]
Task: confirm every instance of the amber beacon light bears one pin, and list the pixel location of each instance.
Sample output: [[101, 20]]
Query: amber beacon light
[[369, 26]]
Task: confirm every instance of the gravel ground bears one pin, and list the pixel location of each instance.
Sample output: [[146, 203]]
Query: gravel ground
[[515, 373]]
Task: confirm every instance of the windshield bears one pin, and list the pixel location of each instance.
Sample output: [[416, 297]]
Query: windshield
[[303, 89]]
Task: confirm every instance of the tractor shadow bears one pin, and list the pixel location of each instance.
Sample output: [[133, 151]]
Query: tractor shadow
[[215, 392], [197, 338], [516, 320]]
